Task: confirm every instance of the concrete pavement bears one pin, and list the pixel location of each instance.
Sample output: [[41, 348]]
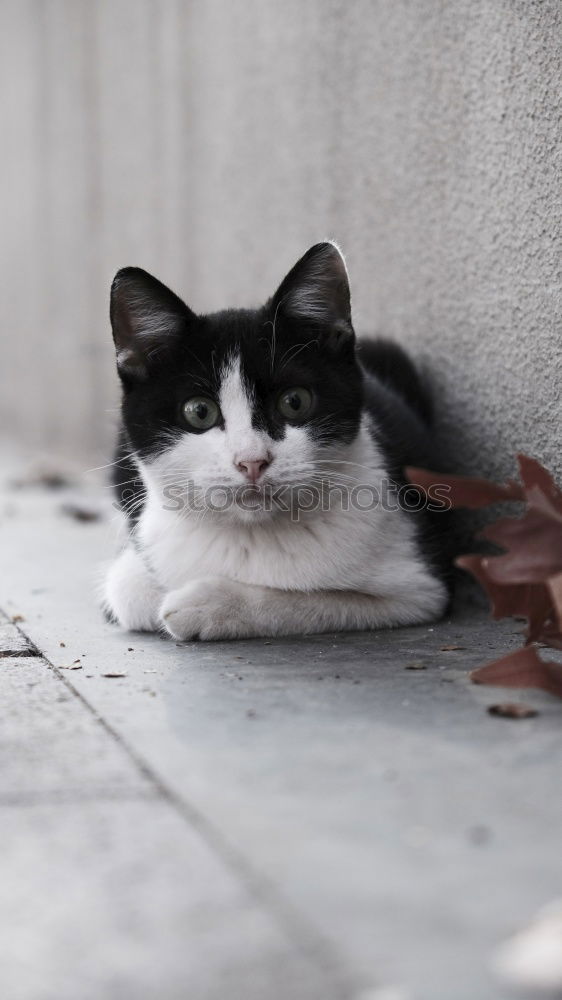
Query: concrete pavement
[[304, 818]]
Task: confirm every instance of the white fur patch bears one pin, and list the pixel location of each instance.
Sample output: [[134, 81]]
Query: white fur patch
[[131, 594], [241, 439]]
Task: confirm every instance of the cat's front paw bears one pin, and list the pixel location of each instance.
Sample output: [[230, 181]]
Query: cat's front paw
[[130, 595], [210, 608]]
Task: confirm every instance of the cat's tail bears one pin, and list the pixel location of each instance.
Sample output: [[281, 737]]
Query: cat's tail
[[392, 366]]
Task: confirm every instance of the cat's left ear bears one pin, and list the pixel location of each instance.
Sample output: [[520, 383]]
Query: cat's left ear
[[316, 291], [147, 319]]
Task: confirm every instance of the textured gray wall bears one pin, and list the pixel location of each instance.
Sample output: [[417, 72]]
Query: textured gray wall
[[212, 141]]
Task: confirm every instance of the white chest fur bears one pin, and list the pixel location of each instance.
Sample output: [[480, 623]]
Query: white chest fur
[[343, 547]]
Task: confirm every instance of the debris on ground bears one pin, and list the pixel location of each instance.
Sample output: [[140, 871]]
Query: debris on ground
[[76, 665], [44, 477], [81, 512], [416, 665], [115, 673], [513, 710]]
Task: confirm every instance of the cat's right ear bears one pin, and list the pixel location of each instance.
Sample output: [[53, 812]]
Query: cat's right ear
[[147, 319], [316, 291]]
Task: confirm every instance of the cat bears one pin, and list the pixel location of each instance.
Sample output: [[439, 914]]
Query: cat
[[254, 445]]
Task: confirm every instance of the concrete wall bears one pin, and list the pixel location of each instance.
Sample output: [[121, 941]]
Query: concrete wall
[[212, 141]]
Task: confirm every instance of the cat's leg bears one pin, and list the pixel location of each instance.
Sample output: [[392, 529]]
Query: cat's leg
[[130, 595], [217, 608]]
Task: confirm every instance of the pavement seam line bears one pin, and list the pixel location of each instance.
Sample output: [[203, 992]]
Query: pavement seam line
[[304, 937]]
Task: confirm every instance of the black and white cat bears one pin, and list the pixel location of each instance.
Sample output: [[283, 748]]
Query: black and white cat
[[254, 446]]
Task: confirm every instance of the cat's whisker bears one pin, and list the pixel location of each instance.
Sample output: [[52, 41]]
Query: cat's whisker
[[273, 331], [299, 347], [123, 482], [109, 465]]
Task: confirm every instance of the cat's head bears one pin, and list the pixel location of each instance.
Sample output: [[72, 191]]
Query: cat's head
[[243, 401]]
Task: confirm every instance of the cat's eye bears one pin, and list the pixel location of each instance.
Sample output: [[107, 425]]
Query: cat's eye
[[295, 404], [201, 413]]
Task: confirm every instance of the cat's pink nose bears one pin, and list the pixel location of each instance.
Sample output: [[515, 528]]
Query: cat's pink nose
[[253, 469]]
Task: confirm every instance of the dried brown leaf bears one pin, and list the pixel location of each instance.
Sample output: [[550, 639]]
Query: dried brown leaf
[[554, 585], [522, 669], [463, 491], [506, 601], [534, 548], [529, 601], [551, 636], [539, 486], [526, 579]]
